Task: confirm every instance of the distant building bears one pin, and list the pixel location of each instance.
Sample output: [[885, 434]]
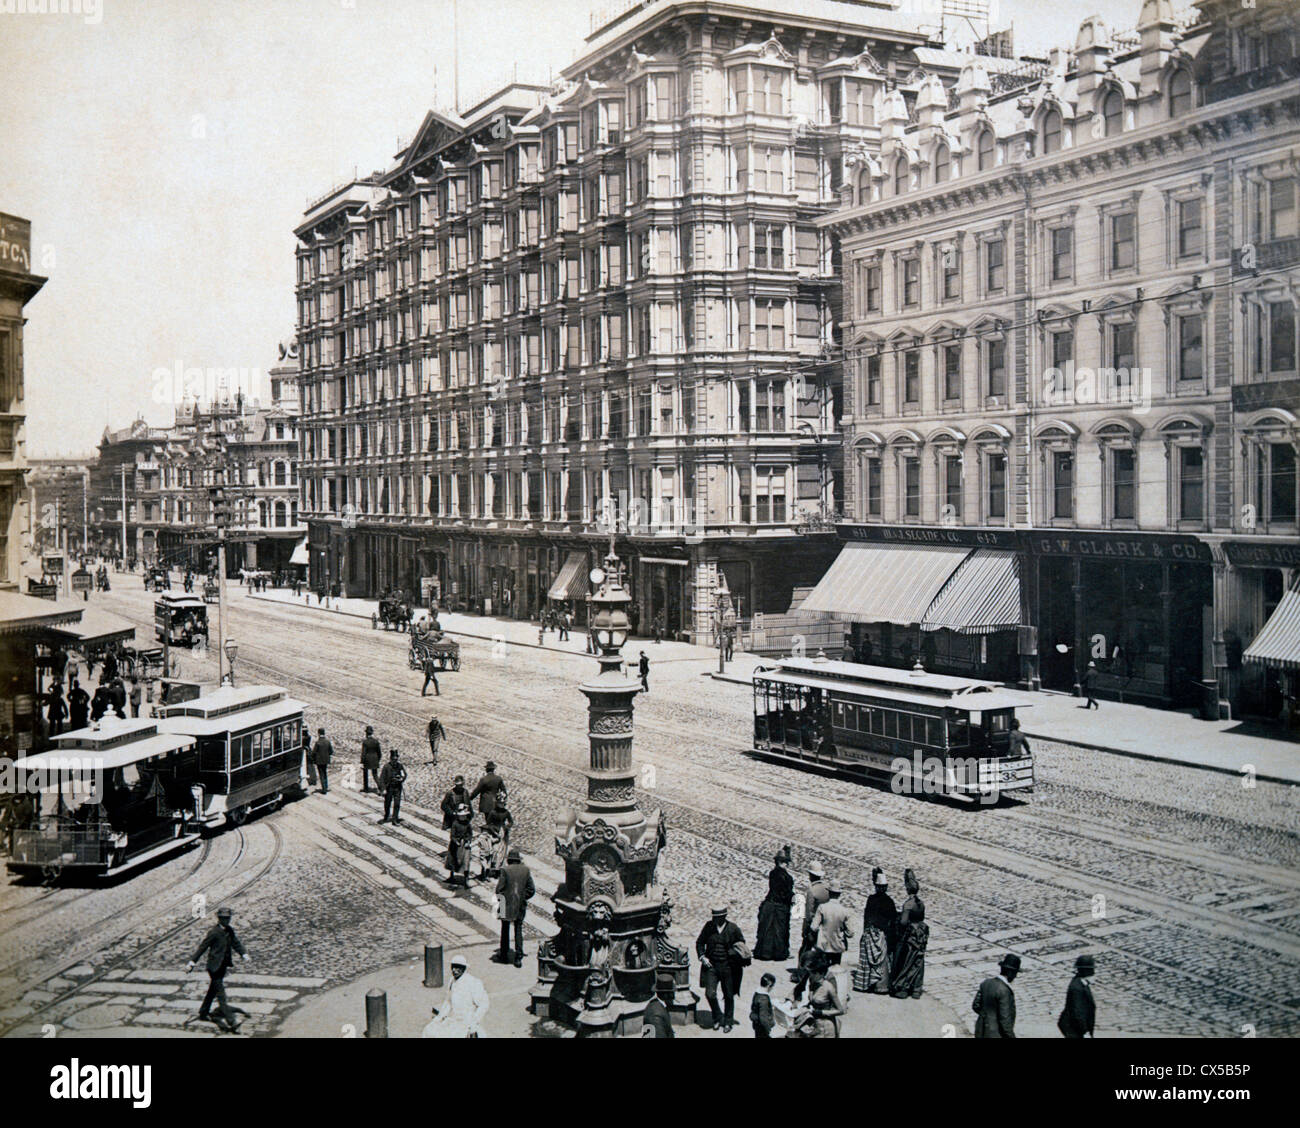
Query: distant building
[[1070, 367], [59, 493], [18, 285]]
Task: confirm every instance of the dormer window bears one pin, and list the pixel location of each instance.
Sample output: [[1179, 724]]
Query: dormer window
[[1180, 92], [1112, 113], [942, 164], [1051, 132]]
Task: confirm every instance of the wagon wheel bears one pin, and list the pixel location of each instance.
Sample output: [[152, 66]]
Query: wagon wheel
[[374, 621], [50, 873], [238, 816]]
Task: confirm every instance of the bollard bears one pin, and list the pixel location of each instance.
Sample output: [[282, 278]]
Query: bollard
[[433, 965], [376, 1013]]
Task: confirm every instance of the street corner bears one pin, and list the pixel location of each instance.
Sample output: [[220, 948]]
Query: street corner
[[340, 1011]]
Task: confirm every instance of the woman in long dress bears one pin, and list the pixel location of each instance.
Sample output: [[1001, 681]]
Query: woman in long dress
[[913, 936], [772, 941], [878, 921]]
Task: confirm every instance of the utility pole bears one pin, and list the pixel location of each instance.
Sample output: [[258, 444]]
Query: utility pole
[[221, 584], [85, 512], [123, 510]]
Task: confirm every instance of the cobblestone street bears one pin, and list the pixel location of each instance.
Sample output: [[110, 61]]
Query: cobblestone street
[[1183, 882]]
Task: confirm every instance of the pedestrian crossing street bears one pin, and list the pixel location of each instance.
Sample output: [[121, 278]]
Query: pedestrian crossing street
[[408, 860]]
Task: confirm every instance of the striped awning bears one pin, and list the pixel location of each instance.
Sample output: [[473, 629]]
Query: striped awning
[[571, 583], [982, 596], [884, 583], [1278, 644]]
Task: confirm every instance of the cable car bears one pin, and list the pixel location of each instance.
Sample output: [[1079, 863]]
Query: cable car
[[920, 733], [103, 800], [180, 619], [250, 752]]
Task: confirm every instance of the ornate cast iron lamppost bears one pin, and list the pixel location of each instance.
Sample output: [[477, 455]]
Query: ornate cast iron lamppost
[[613, 949]]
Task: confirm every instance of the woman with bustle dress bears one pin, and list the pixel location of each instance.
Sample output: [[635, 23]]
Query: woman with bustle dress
[[908, 972], [772, 941], [879, 920]]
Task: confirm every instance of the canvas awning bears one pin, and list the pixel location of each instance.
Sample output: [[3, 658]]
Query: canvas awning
[[1278, 644], [96, 628], [982, 596], [300, 554], [571, 583], [884, 583]]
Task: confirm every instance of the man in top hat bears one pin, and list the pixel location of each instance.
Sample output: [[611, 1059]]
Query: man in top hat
[[995, 1002], [514, 888], [371, 758], [464, 1007], [721, 965], [220, 944], [831, 925], [818, 894], [1080, 1011]]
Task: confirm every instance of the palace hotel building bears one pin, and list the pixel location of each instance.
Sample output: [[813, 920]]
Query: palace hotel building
[[604, 304]]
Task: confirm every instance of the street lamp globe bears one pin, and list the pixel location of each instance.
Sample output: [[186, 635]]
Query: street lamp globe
[[609, 619], [232, 650]]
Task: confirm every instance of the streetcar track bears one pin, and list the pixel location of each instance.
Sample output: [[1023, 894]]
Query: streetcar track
[[1269, 936], [864, 866], [1139, 965], [12, 926], [133, 955]]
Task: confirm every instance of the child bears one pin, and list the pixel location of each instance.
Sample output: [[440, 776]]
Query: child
[[760, 1009]]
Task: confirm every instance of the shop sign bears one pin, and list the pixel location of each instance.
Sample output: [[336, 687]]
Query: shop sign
[[1118, 546], [917, 535], [1247, 554], [1267, 393]]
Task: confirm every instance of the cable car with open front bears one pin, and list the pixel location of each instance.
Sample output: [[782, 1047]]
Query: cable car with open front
[[250, 753], [103, 800], [920, 733]]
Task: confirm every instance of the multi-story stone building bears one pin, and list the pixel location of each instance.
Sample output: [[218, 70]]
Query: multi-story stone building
[[18, 285], [1070, 362], [602, 305], [125, 492]]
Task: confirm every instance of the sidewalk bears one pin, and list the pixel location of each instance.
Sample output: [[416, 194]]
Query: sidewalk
[[410, 1004], [514, 632], [1164, 735]]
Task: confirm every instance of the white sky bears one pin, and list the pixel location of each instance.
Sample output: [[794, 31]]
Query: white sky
[[165, 153]]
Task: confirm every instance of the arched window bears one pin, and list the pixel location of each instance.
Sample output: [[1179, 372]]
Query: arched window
[[1180, 92], [900, 176], [281, 474], [984, 148], [1051, 132], [1112, 112], [942, 164], [280, 514]]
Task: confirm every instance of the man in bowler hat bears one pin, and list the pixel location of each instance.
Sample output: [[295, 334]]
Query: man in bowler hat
[[995, 1001], [220, 944], [1080, 1011]]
